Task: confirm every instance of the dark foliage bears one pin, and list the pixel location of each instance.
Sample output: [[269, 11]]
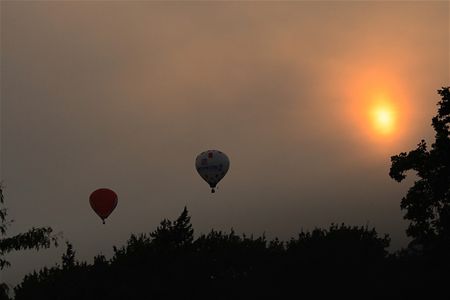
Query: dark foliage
[[427, 202], [35, 238], [169, 263]]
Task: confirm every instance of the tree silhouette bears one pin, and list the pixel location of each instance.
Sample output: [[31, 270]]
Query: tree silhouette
[[427, 202], [68, 258], [169, 263], [35, 238], [174, 234]]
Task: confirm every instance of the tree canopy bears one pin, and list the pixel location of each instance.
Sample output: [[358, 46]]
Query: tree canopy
[[35, 238], [170, 263], [427, 202]]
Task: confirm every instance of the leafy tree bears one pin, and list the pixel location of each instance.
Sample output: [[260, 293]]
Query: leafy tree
[[35, 238], [342, 243], [169, 263], [176, 234], [68, 258], [427, 202], [65, 281]]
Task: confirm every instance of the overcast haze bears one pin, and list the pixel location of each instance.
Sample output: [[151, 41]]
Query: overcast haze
[[125, 95]]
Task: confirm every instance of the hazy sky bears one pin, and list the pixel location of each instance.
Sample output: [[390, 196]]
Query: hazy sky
[[125, 95]]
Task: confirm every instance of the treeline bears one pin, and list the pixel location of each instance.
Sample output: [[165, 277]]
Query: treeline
[[168, 263]]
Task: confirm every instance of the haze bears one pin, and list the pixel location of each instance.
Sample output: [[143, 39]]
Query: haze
[[125, 95]]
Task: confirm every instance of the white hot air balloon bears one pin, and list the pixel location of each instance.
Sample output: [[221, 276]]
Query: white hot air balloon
[[212, 165]]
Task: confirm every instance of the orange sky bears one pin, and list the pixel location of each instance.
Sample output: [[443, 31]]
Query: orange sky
[[125, 95]]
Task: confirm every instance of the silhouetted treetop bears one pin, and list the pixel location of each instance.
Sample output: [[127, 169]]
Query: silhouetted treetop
[[169, 263], [175, 234], [35, 238], [68, 258], [427, 202], [347, 242]]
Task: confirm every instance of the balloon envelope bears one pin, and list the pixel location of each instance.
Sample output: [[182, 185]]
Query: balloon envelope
[[103, 202], [212, 165]]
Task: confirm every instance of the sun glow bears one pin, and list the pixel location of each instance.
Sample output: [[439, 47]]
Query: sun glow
[[383, 118], [378, 108], [378, 114]]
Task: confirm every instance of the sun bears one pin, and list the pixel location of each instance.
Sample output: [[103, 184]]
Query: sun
[[379, 107], [383, 118]]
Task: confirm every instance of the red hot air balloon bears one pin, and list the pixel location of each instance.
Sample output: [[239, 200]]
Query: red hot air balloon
[[103, 202]]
